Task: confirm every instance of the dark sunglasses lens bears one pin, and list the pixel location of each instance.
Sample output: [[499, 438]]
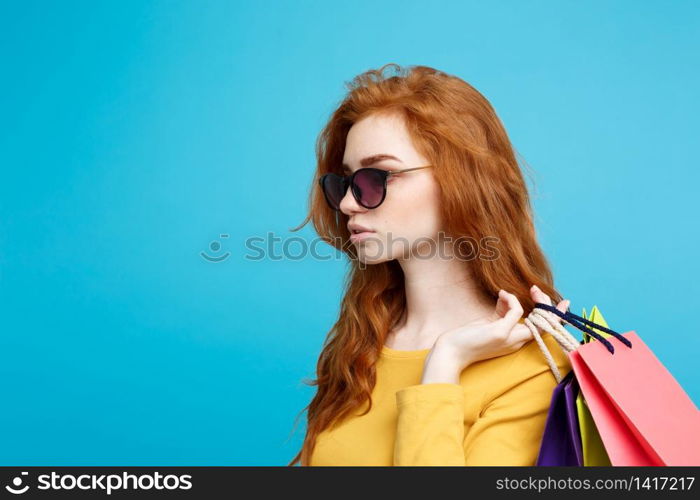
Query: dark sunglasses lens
[[369, 187], [333, 189]]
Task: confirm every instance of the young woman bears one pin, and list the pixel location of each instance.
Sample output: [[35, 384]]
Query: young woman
[[429, 362]]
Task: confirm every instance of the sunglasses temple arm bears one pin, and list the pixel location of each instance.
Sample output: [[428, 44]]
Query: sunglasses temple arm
[[408, 170]]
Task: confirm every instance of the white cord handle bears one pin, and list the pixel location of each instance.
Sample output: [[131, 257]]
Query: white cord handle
[[548, 322]]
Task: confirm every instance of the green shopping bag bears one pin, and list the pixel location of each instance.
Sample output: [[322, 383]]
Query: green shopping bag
[[594, 453]]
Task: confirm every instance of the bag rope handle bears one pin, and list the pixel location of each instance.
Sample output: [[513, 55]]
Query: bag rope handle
[[576, 321], [547, 322], [541, 317]]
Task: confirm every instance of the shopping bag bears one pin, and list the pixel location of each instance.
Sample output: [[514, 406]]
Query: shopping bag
[[561, 441], [570, 437], [643, 415], [594, 453]]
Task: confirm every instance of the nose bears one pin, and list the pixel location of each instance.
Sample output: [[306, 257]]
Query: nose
[[348, 205]]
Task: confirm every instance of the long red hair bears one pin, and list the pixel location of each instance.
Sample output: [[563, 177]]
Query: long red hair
[[483, 193]]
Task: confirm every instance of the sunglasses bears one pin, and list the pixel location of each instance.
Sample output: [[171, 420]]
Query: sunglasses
[[368, 186]]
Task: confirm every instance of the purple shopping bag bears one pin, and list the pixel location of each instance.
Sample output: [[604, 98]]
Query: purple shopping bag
[[561, 441]]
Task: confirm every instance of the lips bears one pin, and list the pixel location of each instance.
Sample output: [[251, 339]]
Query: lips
[[358, 233], [356, 229]]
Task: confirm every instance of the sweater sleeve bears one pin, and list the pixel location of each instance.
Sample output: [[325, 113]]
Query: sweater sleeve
[[431, 427]]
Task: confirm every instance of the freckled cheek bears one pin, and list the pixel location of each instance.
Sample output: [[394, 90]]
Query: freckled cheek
[[410, 213]]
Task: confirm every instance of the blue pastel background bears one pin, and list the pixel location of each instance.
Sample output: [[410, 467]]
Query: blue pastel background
[[135, 136]]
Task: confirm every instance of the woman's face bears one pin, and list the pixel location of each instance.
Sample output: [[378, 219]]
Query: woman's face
[[409, 215]]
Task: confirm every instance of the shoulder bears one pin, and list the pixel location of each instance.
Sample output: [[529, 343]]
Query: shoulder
[[527, 370], [530, 360]]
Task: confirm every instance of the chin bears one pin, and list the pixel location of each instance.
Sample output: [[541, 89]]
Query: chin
[[370, 254]]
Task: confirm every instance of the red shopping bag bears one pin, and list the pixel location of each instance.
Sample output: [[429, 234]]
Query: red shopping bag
[[643, 415]]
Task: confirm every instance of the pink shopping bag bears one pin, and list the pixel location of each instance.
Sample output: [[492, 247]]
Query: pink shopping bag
[[643, 415]]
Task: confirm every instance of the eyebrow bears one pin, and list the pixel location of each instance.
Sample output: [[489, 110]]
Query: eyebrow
[[371, 160]]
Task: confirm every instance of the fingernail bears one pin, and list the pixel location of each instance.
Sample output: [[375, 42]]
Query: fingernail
[[535, 287]]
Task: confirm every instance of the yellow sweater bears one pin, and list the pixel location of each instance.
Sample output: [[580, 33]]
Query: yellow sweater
[[494, 416]]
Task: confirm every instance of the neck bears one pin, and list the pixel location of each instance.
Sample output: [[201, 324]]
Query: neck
[[441, 295]]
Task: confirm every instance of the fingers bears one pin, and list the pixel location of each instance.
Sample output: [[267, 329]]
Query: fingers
[[514, 309], [539, 296], [520, 334], [563, 306]]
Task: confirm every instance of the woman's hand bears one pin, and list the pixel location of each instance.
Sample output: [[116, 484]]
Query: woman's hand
[[499, 335]]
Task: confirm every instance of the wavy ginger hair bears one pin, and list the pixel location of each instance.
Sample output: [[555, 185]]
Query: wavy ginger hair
[[482, 193]]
